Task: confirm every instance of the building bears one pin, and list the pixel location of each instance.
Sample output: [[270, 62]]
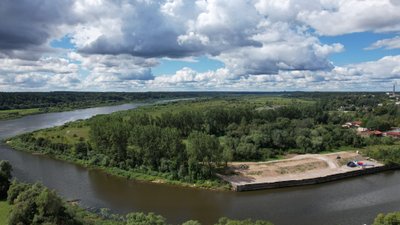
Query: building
[[362, 129], [370, 133], [354, 124], [393, 134]]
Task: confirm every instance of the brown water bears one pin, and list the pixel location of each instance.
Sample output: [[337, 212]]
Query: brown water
[[347, 202]]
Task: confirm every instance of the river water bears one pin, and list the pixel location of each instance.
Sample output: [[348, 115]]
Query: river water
[[354, 201]]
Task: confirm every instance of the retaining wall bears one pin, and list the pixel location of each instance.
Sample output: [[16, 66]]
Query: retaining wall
[[317, 180]]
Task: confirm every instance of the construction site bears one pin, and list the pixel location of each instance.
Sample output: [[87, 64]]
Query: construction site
[[299, 170]]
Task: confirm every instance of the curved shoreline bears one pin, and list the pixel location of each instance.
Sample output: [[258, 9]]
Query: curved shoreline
[[136, 176]]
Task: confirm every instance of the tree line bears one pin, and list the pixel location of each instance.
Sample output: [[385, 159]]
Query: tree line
[[26, 100]]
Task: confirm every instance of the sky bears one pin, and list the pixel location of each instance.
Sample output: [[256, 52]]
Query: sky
[[199, 45]]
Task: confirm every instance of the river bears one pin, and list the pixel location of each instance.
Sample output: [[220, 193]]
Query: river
[[354, 201]]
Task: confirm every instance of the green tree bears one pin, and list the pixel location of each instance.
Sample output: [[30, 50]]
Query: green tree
[[204, 154], [145, 219], [226, 221], [5, 177], [15, 189], [38, 205], [304, 143], [378, 123], [191, 222]]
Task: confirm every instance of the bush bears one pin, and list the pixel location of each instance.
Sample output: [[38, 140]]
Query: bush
[[389, 155], [145, 219], [226, 221], [388, 219]]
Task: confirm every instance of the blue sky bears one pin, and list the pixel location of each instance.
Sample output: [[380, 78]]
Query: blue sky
[[176, 45], [355, 45]]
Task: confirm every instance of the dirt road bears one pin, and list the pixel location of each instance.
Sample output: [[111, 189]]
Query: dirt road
[[298, 167]]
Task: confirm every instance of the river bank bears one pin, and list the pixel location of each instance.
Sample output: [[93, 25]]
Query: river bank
[[137, 175], [19, 113], [300, 170]]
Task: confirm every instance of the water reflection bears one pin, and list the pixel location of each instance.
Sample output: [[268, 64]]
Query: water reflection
[[176, 203]]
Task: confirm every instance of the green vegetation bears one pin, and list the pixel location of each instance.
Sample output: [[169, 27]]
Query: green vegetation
[[15, 105], [375, 110], [226, 221], [388, 219], [27, 100], [188, 142], [15, 113], [5, 177], [5, 209], [388, 154]]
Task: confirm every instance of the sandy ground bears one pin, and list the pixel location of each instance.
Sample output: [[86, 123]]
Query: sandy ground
[[297, 167]]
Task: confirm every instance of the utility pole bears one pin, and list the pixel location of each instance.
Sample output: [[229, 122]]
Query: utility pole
[[394, 89]]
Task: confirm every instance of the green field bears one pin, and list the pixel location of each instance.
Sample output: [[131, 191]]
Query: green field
[[4, 211], [251, 101], [68, 134], [16, 113]]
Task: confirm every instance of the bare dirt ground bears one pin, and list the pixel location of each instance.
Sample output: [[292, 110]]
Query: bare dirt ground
[[297, 167]]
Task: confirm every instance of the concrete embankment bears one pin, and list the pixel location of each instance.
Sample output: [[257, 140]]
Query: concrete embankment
[[317, 180]]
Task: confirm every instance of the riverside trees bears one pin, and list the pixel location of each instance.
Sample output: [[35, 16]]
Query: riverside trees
[[5, 178]]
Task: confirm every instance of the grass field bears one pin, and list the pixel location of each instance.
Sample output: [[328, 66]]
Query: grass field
[[16, 113], [68, 134], [4, 211], [251, 101]]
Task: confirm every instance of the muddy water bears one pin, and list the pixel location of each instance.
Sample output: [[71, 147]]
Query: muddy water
[[351, 201]]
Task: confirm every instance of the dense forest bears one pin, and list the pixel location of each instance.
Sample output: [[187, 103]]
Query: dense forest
[[27, 100], [192, 141]]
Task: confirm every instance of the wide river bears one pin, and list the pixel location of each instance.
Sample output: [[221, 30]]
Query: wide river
[[352, 201]]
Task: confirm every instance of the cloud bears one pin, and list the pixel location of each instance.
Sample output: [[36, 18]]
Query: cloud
[[385, 68], [262, 43], [390, 43], [283, 48], [240, 33], [27, 25], [139, 28], [115, 68], [336, 17], [47, 73], [368, 76], [114, 72]]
